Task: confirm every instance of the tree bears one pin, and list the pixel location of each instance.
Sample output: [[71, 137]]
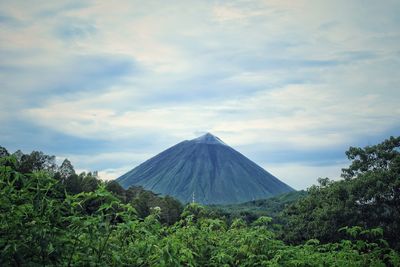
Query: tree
[[115, 188], [66, 169], [18, 155], [143, 202], [194, 211], [73, 184], [369, 196], [37, 161], [381, 157], [375, 176], [3, 152], [89, 183], [171, 210]]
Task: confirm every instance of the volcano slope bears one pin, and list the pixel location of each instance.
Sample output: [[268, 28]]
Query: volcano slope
[[207, 170]]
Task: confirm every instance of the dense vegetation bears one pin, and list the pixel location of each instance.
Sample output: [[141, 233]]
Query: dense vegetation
[[50, 216], [368, 196], [252, 210]]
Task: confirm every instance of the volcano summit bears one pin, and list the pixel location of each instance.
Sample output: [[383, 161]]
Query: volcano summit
[[207, 168]]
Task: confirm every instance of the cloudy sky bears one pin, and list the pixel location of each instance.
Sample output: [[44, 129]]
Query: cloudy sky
[[290, 84]]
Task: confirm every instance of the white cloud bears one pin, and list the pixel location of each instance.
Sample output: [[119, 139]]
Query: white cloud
[[124, 160], [133, 157], [111, 174], [307, 75], [302, 176], [302, 116]]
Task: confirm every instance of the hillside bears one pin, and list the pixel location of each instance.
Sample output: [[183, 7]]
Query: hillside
[[252, 210]]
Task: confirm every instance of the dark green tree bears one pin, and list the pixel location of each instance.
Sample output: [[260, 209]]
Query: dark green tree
[[171, 210], [3, 152], [73, 184], [66, 169], [89, 182], [369, 196], [115, 188], [37, 161], [383, 157]]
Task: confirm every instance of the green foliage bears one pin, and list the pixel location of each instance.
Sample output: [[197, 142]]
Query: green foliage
[[380, 157], [42, 223], [263, 221], [66, 169], [250, 211], [143, 201], [29, 217], [368, 197], [36, 161]]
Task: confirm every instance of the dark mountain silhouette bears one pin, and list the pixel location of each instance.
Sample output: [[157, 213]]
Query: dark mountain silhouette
[[207, 168]]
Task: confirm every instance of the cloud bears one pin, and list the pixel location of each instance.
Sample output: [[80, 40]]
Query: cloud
[[113, 160], [301, 81], [299, 116], [302, 176], [75, 30], [29, 85]]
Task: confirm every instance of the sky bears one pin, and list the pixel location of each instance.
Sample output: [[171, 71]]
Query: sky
[[289, 84]]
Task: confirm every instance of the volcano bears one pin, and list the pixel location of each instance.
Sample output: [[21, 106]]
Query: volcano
[[207, 170]]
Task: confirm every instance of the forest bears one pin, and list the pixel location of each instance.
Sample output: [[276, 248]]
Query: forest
[[52, 216]]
